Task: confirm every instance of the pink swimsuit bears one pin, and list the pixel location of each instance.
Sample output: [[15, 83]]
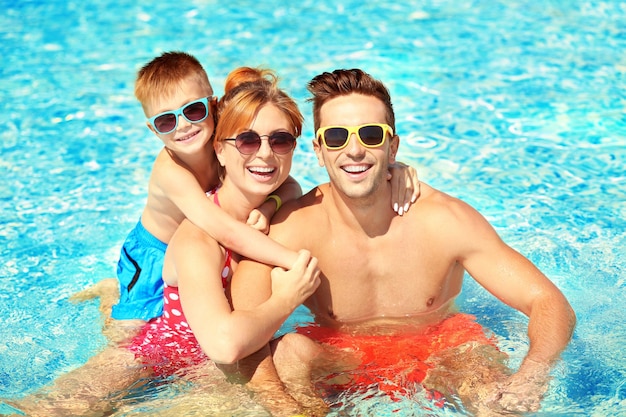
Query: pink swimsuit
[[167, 343]]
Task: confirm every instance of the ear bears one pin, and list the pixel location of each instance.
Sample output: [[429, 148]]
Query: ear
[[219, 152], [151, 128], [213, 108], [318, 152], [394, 144]]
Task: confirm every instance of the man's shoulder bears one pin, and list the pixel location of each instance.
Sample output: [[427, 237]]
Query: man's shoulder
[[444, 208], [432, 195], [302, 214], [307, 203]]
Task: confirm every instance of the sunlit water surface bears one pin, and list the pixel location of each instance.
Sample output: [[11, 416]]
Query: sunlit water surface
[[517, 107]]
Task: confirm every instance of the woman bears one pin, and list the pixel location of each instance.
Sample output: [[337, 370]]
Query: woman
[[254, 143]]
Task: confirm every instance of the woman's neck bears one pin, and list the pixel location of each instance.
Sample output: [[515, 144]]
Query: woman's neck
[[237, 204]]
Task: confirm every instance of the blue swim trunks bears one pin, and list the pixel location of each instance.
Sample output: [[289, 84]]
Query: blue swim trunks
[[139, 272]]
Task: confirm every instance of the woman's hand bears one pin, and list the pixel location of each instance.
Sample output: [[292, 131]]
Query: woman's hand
[[405, 186]]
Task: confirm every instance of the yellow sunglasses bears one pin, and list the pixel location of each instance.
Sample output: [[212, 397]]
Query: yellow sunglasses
[[370, 135]]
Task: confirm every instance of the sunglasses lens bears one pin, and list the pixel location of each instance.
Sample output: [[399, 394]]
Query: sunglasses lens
[[372, 135], [195, 112], [165, 123], [248, 142], [282, 142], [335, 137]]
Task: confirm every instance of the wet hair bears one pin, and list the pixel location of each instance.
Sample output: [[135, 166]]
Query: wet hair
[[343, 82], [163, 75], [246, 91]]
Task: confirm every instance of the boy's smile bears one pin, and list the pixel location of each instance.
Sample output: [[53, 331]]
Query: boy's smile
[[186, 101]]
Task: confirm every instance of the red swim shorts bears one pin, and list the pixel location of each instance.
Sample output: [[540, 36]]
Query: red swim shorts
[[396, 363]]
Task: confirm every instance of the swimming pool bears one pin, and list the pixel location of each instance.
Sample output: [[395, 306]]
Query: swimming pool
[[518, 108]]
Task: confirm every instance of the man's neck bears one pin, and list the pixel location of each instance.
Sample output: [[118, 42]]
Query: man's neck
[[372, 214]]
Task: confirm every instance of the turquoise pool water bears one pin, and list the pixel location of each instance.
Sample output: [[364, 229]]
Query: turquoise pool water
[[517, 107]]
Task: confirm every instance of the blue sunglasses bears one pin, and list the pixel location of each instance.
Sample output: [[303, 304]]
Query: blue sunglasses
[[194, 112]]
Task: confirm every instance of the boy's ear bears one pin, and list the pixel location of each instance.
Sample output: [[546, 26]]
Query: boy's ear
[[213, 109], [151, 128]]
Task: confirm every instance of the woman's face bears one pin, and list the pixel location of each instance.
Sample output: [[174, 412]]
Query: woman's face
[[263, 171]]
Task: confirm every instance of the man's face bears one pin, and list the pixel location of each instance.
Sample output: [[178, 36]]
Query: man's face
[[355, 170]]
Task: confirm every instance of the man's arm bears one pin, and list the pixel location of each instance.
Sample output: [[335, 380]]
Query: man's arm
[[251, 285], [517, 282]]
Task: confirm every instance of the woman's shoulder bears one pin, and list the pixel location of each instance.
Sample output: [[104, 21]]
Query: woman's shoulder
[[188, 236]]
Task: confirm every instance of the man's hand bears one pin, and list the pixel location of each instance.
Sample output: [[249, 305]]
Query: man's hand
[[405, 186], [521, 392], [297, 284]]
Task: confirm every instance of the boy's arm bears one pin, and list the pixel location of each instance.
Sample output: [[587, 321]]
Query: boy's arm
[[261, 216], [182, 188]]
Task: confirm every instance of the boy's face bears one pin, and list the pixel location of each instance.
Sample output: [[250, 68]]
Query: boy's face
[[356, 170], [187, 137]]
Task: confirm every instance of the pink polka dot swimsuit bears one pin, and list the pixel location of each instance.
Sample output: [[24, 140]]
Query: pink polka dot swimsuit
[[167, 343]]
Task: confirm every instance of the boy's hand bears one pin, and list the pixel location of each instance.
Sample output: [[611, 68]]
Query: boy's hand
[[258, 220], [298, 283], [405, 186]]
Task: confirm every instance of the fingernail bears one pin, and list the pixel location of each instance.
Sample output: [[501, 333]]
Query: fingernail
[[401, 211], [395, 207], [406, 207]]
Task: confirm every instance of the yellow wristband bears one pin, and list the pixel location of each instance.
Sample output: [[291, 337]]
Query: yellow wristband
[[277, 199]]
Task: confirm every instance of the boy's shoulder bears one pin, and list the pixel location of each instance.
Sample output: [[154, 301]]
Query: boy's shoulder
[[167, 170], [166, 163]]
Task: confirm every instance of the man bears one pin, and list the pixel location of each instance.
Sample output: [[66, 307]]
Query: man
[[402, 274]]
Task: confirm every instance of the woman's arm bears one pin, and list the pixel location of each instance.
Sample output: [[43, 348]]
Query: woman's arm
[[405, 186], [225, 335]]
